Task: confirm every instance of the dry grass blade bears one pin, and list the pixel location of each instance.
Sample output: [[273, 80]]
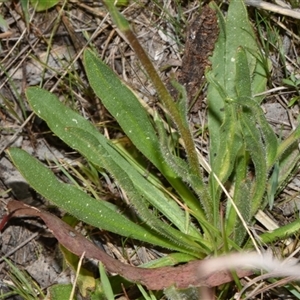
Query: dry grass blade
[[266, 287], [76, 276], [274, 8]]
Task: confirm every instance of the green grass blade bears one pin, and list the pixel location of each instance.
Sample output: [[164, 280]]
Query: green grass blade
[[273, 185], [118, 18], [281, 233], [107, 288]]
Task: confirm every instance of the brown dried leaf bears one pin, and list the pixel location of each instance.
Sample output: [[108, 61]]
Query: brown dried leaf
[[182, 276]]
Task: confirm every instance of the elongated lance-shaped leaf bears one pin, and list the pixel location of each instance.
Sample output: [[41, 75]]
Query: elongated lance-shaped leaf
[[132, 117], [252, 116], [254, 145], [163, 93], [214, 95], [269, 137], [234, 68], [120, 101], [157, 185], [182, 169], [242, 35], [243, 201], [76, 202], [224, 60], [242, 76], [58, 121], [59, 117], [107, 157], [230, 144], [241, 198]]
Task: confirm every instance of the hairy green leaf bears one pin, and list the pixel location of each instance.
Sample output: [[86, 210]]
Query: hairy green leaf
[[132, 117], [71, 198], [131, 181], [82, 136], [242, 78], [254, 145], [121, 102], [241, 198]]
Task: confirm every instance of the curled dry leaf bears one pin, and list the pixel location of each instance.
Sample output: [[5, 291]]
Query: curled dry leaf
[[195, 273], [210, 272]]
